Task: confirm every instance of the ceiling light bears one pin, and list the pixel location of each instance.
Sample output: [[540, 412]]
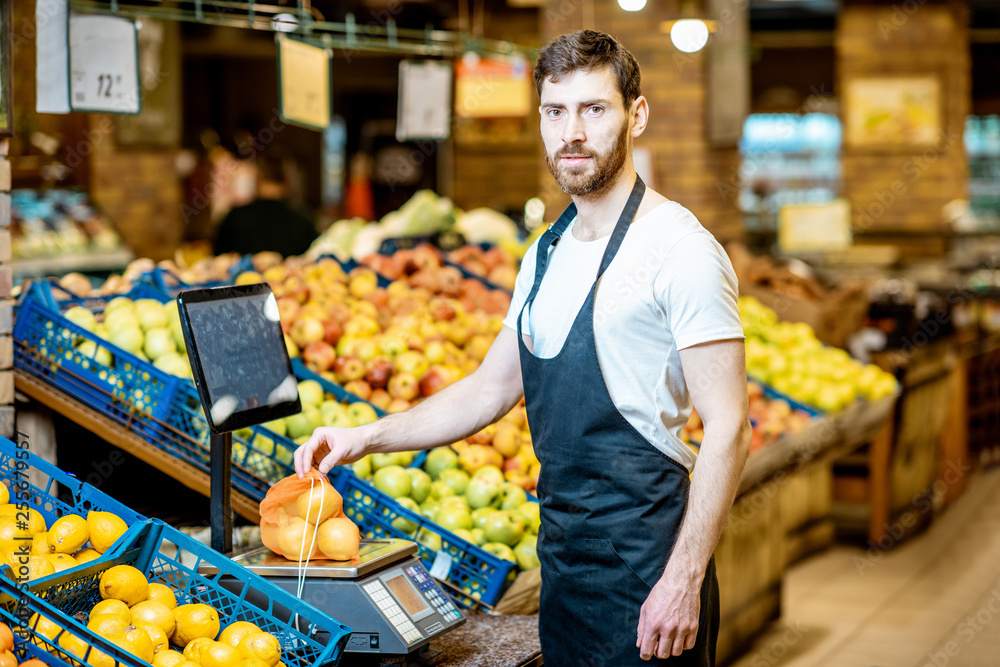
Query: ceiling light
[[689, 35], [631, 5]]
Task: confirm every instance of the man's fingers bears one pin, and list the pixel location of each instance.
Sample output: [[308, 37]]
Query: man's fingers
[[692, 638], [304, 454], [648, 644], [642, 626]]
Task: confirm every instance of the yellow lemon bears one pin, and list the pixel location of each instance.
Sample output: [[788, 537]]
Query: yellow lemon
[[105, 528], [86, 555], [8, 509], [188, 663], [36, 522], [113, 607], [68, 534], [107, 625], [194, 621], [220, 655], [13, 533], [254, 662], [40, 544], [263, 646], [155, 613], [161, 593], [100, 659], [234, 633], [4, 494], [61, 562], [136, 641], [38, 567], [73, 645], [43, 626], [156, 636], [194, 648], [125, 583], [168, 658]]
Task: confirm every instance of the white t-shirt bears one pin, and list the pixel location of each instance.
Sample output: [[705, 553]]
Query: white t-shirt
[[671, 286]]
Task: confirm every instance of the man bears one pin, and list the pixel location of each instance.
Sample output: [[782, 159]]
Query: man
[[609, 370], [268, 222]]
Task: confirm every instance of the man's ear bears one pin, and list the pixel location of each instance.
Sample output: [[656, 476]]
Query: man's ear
[[639, 116]]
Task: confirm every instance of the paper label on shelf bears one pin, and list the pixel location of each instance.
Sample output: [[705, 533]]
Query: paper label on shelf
[[52, 56], [442, 565], [304, 75], [424, 110], [487, 88], [806, 228], [103, 64]]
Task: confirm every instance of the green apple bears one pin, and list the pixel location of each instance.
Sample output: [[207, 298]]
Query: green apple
[[363, 467], [482, 493], [121, 319], [504, 527], [441, 490], [420, 487], [439, 460], [526, 552], [478, 536], [172, 363], [465, 535], [500, 551], [330, 407], [178, 335], [314, 417], [452, 517], [244, 434], [128, 337], [298, 426], [150, 315], [512, 496], [429, 508], [362, 413], [403, 523], [158, 343], [300, 441], [529, 515], [81, 317], [276, 426], [264, 445], [119, 303], [455, 502], [89, 349], [430, 540], [458, 480], [310, 392], [336, 419], [392, 481], [406, 458], [491, 474], [384, 460], [481, 516]]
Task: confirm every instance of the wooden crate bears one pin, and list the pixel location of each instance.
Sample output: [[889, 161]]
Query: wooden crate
[[804, 508]]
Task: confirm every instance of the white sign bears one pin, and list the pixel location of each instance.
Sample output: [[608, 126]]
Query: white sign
[[804, 228], [51, 57], [103, 64], [424, 110]]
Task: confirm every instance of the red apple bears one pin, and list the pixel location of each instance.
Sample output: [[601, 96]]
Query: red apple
[[359, 388], [295, 287], [332, 330], [379, 297], [306, 330], [288, 312], [426, 256], [404, 386], [434, 380], [397, 405], [348, 368], [378, 370], [450, 281], [441, 310], [319, 356], [380, 398]]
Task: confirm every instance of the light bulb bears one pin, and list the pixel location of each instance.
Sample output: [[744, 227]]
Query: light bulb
[[689, 35], [631, 5]]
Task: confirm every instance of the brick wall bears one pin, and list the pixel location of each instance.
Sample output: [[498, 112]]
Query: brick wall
[[6, 342], [687, 169], [906, 188]]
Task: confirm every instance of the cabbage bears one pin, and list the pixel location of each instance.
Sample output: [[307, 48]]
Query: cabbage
[[337, 240], [484, 225]]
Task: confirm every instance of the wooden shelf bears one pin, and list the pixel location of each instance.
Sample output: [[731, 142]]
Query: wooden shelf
[[126, 440]]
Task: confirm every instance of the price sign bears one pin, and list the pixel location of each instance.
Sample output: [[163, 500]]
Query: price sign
[[822, 228], [424, 110], [304, 83], [492, 88], [103, 64]]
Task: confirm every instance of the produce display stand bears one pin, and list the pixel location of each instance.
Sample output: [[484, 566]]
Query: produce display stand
[[127, 440]]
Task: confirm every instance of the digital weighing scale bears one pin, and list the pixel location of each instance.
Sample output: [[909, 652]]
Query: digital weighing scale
[[387, 598]]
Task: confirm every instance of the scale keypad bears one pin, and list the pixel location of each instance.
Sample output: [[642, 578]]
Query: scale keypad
[[442, 603], [392, 611]]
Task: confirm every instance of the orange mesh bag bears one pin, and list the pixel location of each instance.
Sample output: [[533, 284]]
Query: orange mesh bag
[[289, 515]]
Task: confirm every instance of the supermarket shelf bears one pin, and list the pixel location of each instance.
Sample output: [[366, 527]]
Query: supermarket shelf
[[57, 265], [128, 441]]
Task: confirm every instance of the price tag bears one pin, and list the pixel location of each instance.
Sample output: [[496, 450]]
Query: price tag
[[442, 565], [815, 228], [492, 88], [304, 83], [103, 64], [424, 110], [51, 57]]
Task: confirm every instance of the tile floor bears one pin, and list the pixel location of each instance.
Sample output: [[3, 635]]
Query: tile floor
[[933, 601]]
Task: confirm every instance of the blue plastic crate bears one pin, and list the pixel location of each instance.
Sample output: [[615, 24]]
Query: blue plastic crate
[[161, 408], [308, 636], [171, 284], [338, 392], [476, 577], [774, 394]]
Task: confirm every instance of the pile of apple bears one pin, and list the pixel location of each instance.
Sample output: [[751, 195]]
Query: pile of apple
[[789, 357], [423, 267], [497, 265], [476, 504], [770, 419]]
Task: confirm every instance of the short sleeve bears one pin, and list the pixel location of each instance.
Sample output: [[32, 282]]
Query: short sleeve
[[522, 285], [696, 289]]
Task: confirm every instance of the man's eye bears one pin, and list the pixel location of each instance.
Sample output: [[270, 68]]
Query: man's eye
[[595, 110], [553, 113]]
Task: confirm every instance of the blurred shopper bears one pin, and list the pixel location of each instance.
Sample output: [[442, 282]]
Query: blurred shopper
[[268, 222]]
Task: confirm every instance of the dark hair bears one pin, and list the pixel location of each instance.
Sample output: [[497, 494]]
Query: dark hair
[[271, 168], [588, 50]]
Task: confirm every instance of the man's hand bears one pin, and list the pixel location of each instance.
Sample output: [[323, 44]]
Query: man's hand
[[668, 620], [329, 447]]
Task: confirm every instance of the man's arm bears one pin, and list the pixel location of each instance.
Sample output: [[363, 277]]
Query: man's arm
[[455, 412], [715, 374]]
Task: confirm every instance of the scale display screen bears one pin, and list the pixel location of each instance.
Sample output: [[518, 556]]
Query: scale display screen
[[238, 355], [401, 588]]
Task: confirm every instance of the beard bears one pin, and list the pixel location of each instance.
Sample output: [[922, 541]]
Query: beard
[[606, 167]]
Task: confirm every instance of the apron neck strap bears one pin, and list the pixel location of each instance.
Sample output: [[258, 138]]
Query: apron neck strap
[[624, 220]]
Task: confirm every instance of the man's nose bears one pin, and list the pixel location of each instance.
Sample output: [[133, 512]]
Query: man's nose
[[573, 132]]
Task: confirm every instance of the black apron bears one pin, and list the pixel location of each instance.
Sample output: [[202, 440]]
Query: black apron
[[611, 503]]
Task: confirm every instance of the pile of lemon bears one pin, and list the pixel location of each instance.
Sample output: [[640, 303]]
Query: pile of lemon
[[144, 619], [52, 548]]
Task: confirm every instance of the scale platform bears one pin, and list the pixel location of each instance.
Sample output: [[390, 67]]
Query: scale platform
[[387, 597]]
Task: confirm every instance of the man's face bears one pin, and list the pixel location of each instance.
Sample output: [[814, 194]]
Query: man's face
[[585, 131]]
